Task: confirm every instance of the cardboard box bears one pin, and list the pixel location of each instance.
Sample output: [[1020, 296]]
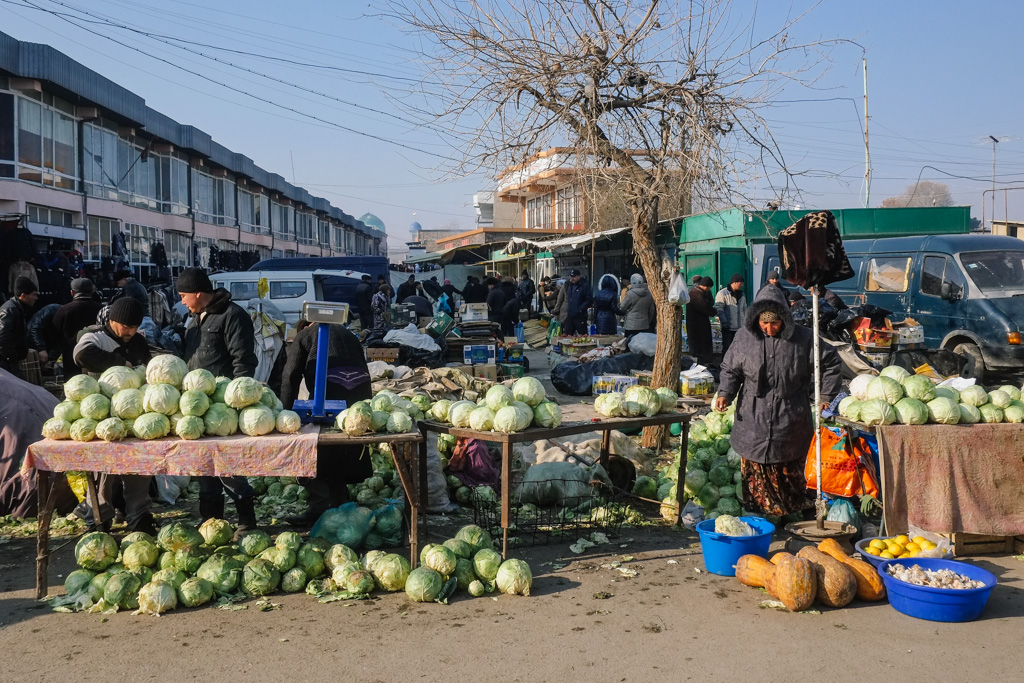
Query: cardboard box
[[440, 326], [606, 384], [479, 354], [381, 353], [510, 353], [511, 370], [488, 372], [471, 313]]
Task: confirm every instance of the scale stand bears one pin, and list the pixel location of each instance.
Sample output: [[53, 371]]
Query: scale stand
[[319, 410]]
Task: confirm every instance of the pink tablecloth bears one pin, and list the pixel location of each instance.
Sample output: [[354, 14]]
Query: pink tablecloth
[[273, 455]]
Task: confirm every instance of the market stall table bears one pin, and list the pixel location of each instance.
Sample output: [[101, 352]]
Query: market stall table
[[576, 419], [271, 455]]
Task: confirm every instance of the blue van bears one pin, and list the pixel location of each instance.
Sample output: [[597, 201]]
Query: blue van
[[966, 291]]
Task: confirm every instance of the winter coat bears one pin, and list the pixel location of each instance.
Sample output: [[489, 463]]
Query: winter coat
[[732, 311], [136, 290], [348, 378], [606, 307], [699, 312], [364, 294], [381, 306], [41, 333], [68, 321], [495, 305], [13, 333], [561, 309], [638, 308], [474, 293], [527, 290], [550, 296], [221, 339], [407, 289], [774, 379], [100, 349], [578, 298]]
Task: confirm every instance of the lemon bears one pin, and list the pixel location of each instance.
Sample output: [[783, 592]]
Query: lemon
[[928, 545], [873, 551], [919, 539], [887, 555], [877, 544], [895, 549], [913, 547], [909, 553], [901, 539]]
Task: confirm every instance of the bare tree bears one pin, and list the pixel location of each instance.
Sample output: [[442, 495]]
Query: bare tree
[[923, 193], [657, 99]]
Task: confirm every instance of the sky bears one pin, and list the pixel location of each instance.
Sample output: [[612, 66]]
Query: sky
[[312, 93]]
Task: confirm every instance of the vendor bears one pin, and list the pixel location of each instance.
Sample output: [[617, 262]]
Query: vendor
[[348, 379], [219, 337], [495, 301], [381, 305], [117, 342], [770, 367]]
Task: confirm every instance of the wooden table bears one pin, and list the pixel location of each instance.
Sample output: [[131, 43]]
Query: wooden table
[[403, 449], [578, 419]]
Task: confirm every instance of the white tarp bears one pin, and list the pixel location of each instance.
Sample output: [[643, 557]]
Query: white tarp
[[562, 243]]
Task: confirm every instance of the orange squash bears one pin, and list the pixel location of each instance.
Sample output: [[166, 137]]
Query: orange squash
[[778, 557], [753, 570], [869, 583], [837, 586], [792, 583]]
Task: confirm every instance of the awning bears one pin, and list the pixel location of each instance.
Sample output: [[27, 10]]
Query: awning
[[429, 256], [560, 245], [447, 256]]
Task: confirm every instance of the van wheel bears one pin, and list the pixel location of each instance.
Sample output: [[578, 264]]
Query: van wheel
[[976, 368]]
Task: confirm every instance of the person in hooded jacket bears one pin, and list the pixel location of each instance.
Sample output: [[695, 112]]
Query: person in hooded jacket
[[606, 306], [732, 310], [769, 371], [637, 307]]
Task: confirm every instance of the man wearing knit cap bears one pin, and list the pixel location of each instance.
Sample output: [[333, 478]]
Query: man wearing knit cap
[[73, 317], [218, 337], [732, 310], [14, 315], [114, 343]]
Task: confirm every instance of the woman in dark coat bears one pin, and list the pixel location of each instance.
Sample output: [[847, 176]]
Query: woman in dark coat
[[770, 368], [699, 312], [606, 305]]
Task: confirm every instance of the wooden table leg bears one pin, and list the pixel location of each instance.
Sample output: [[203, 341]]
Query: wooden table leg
[[681, 472], [506, 494], [94, 500], [421, 491], [45, 502], [404, 457]]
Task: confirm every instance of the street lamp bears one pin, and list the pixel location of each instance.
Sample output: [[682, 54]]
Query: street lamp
[[995, 141]]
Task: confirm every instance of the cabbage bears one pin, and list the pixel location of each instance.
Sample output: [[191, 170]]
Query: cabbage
[[288, 540], [459, 413], [78, 581], [719, 476], [475, 536], [859, 386], [943, 411], [524, 415], [193, 402], [83, 429], [645, 487], [391, 572], [288, 422], [199, 380], [220, 420], [96, 551], [268, 398], [80, 386], [506, 420], [111, 429], [998, 398], [116, 378], [482, 419], [243, 392], [529, 390], [173, 576], [910, 411], [974, 396], [423, 584], [221, 388], [645, 397], [894, 372], [157, 597], [969, 414], [441, 559], [421, 401], [216, 532], [708, 496], [1014, 413], [990, 413], [256, 420], [189, 558], [844, 406], [695, 480], [485, 564], [947, 392], [399, 423], [384, 402], [95, 407], [668, 398], [853, 411], [1012, 391], [260, 577], [439, 411], [122, 590], [195, 592], [294, 580], [358, 420], [547, 414], [476, 589], [732, 526], [160, 398], [222, 573], [151, 426], [919, 387], [56, 428], [127, 404], [498, 396], [877, 411], [68, 411], [726, 491], [729, 506], [514, 577], [462, 549], [722, 445], [254, 542], [717, 424], [310, 561], [177, 535], [190, 428], [610, 404], [166, 369], [885, 388], [359, 582], [282, 558]]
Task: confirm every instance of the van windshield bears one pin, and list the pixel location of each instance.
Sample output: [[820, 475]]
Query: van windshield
[[992, 270]]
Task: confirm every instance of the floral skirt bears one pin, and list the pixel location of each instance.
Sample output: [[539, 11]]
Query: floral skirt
[[774, 489]]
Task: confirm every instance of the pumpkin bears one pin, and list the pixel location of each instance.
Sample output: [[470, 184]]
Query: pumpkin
[[778, 557], [869, 583], [837, 586], [792, 583], [753, 570]]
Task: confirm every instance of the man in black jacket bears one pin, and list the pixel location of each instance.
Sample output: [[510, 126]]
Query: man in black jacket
[[699, 312], [72, 318], [364, 294], [474, 292], [348, 379], [408, 288], [495, 301], [219, 337], [579, 297], [102, 347], [14, 315], [527, 291]]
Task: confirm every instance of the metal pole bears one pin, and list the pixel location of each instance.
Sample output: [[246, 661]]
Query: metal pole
[[867, 149], [819, 504], [995, 141]]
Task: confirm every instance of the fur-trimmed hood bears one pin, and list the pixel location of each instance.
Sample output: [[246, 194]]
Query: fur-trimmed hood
[[770, 299]]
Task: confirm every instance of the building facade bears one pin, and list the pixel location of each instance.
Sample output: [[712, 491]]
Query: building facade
[[91, 168]]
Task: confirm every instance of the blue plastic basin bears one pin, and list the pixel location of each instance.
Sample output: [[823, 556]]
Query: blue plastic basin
[[938, 604], [721, 552]]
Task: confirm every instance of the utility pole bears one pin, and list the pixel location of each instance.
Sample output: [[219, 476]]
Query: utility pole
[[867, 149], [995, 141]]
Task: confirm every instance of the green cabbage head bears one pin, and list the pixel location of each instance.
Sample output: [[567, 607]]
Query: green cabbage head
[[68, 411], [529, 390], [391, 571], [877, 411], [514, 577], [220, 420], [910, 411], [161, 398], [243, 392], [482, 419], [151, 426], [919, 387], [288, 422], [96, 551], [974, 396], [506, 420], [610, 404], [190, 428], [116, 378], [423, 584], [193, 402], [498, 396], [127, 404], [80, 386], [547, 414], [95, 406], [166, 369], [56, 428], [195, 592], [459, 413], [886, 389], [83, 429], [260, 577], [199, 380], [157, 597], [256, 420], [991, 413], [969, 414], [944, 411]]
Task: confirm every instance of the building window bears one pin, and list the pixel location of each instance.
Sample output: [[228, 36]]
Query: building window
[[284, 221], [98, 234], [6, 135], [47, 145], [568, 213], [47, 216], [538, 212]]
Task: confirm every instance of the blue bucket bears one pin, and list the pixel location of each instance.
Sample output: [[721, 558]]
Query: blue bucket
[[721, 552], [938, 604]]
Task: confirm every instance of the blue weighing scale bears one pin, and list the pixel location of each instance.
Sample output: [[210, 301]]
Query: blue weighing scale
[[319, 410]]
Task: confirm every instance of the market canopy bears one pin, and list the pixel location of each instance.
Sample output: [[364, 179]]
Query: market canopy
[[469, 253], [561, 244]]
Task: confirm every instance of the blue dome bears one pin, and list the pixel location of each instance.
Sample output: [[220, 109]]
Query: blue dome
[[415, 227], [372, 221]]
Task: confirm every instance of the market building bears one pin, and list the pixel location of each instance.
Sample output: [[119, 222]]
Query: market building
[[87, 167]]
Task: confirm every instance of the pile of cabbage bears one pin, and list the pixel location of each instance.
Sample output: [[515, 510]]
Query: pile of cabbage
[[896, 396], [636, 401], [386, 412], [189, 567], [502, 409], [278, 497], [164, 398]]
